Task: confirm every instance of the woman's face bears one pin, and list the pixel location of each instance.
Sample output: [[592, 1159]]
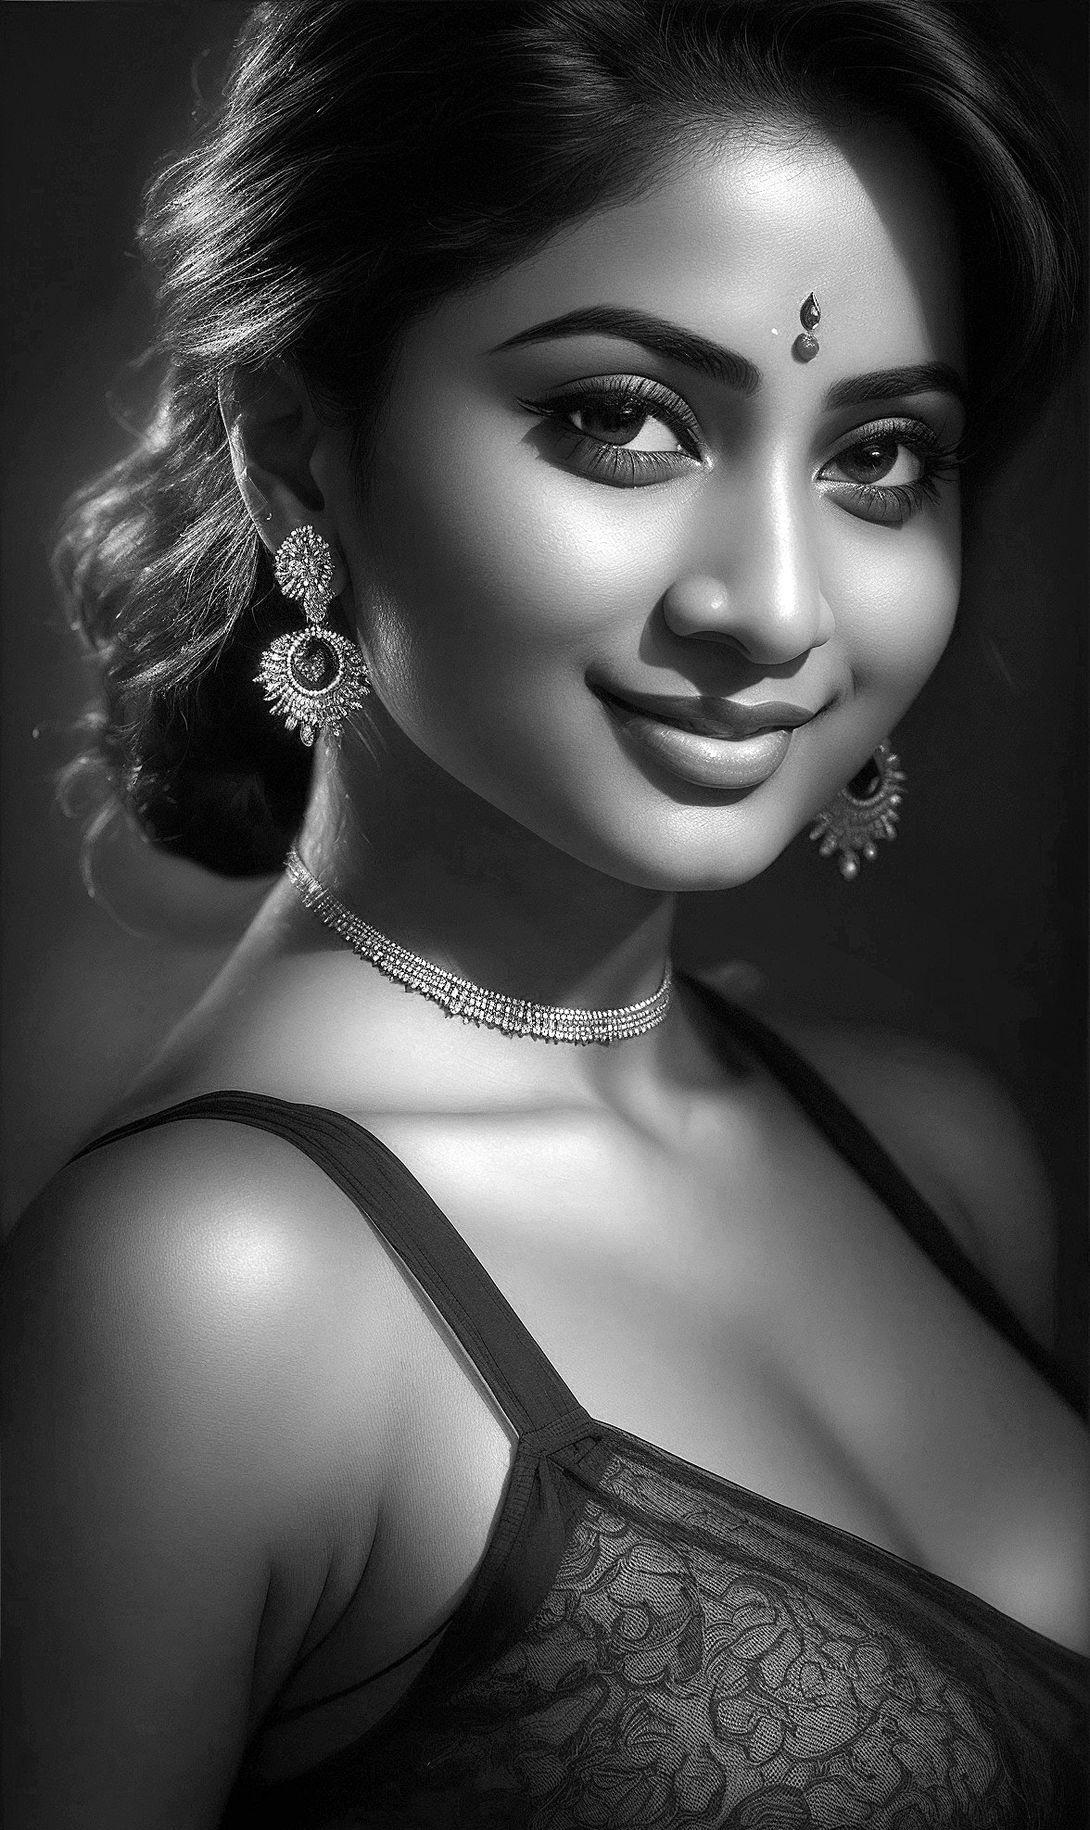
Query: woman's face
[[611, 512]]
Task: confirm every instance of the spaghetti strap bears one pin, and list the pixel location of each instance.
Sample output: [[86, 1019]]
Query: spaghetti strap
[[648, 1636], [524, 1382], [541, 1409], [851, 1138]]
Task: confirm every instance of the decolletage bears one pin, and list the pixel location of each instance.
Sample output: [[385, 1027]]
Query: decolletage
[[645, 1645]]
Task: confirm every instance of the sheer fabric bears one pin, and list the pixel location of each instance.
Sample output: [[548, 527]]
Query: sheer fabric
[[647, 1645], [701, 1657]]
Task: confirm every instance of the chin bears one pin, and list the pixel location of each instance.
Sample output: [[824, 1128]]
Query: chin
[[685, 849], [689, 877]]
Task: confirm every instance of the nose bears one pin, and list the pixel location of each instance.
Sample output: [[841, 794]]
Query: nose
[[765, 593]]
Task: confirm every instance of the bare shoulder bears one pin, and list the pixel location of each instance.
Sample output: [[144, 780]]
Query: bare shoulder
[[222, 1233], [960, 1137], [222, 1264], [196, 1368]]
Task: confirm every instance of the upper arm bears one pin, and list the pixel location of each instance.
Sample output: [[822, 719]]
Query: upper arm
[[165, 1466], [962, 1140]]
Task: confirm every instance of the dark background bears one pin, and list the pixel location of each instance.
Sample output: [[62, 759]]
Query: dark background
[[970, 930]]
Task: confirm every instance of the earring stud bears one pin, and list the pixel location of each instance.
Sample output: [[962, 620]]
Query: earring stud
[[313, 678]]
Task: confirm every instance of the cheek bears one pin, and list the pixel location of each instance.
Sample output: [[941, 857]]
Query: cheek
[[898, 604], [483, 559]]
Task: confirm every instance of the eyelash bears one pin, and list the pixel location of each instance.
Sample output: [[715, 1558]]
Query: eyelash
[[888, 505], [618, 464], [891, 505]]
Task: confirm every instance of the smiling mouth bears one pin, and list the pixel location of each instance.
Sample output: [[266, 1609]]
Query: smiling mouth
[[715, 744], [724, 719]]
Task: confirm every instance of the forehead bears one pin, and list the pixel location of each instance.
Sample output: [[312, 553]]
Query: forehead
[[730, 244]]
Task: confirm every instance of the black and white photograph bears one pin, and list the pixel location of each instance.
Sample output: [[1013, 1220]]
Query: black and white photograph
[[543, 564]]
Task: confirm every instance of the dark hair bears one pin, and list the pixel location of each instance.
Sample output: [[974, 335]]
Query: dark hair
[[370, 156]]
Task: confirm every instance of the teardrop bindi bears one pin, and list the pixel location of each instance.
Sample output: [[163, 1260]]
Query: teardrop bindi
[[810, 315]]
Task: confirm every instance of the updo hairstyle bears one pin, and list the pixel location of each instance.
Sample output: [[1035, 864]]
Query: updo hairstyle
[[369, 157]]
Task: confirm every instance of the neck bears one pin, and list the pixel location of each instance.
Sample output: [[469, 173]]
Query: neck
[[448, 875]]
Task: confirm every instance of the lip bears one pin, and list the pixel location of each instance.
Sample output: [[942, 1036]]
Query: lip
[[732, 748], [707, 717]]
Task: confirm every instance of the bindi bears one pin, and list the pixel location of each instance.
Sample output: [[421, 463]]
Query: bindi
[[806, 345]]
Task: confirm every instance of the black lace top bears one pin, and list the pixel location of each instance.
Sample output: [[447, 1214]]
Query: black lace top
[[648, 1646]]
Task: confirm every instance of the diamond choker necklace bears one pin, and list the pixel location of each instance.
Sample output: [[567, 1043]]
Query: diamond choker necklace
[[460, 997]]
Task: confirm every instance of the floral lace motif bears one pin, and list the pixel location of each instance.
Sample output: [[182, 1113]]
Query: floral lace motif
[[695, 1664], [675, 1687]]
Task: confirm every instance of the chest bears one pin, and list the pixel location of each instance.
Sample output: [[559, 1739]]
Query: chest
[[744, 1299], [745, 1302]]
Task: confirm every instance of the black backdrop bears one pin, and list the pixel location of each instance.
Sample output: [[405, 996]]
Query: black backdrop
[[969, 930]]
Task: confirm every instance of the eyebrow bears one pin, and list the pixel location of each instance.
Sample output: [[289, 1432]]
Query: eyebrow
[[890, 384], [692, 351], [655, 334]]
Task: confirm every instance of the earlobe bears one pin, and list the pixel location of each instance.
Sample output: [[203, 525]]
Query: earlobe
[[272, 429]]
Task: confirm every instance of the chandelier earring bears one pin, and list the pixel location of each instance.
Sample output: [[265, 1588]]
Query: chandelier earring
[[862, 813], [313, 678]]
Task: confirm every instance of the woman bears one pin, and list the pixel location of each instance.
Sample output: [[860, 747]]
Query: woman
[[561, 433]]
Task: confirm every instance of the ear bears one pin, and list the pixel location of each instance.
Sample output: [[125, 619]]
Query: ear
[[272, 430]]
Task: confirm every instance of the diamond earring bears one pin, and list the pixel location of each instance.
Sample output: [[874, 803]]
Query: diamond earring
[[315, 677], [862, 813]]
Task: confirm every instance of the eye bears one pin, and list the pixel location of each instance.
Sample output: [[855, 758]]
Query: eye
[[620, 420], [884, 458], [887, 473], [626, 431]]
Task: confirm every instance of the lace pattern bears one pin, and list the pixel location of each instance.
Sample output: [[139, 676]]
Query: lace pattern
[[695, 1663], [651, 1647]]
